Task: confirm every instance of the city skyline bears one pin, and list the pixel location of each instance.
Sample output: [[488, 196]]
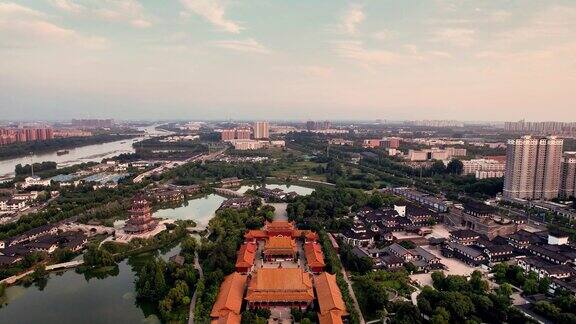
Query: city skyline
[[356, 60]]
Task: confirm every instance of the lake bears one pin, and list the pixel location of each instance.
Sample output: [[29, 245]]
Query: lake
[[69, 297], [303, 191], [200, 210]]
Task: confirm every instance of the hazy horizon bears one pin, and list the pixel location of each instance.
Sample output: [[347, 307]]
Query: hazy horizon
[[488, 61]]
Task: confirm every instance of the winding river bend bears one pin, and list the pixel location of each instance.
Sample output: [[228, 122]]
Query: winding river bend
[[88, 153]]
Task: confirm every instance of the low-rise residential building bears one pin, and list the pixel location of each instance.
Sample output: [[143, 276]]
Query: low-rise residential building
[[523, 239], [484, 168], [13, 205], [499, 253], [464, 253], [544, 268], [464, 237], [371, 143], [35, 181], [230, 182], [358, 235], [436, 204], [237, 203]]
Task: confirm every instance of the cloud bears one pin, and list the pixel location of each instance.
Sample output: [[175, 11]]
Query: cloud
[[318, 71], [355, 50], [248, 45], [459, 37], [12, 10], [410, 54], [382, 35], [213, 11], [128, 11], [555, 23], [24, 27], [68, 6], [352, 19]]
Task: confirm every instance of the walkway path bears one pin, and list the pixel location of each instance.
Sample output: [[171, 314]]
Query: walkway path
[[280, 213], [353, 295], [64, 265], [194, 297]]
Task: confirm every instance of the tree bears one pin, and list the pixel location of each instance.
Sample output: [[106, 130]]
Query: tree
[[62, 255], [547, 309], [530, 287], [438, 278], [477, 284], [544, 284], [406, 313], [459, 305], [438, 167], [455, 166], [441, 316], [39, 272], [376, 200]]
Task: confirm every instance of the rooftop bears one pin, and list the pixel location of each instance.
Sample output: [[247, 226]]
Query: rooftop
[[314, 255], [280, 284], [229, 299], [329, 295]]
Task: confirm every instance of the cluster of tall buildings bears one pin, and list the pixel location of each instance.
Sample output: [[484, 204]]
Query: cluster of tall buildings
[[568, 175], [537, 168], [436, 123], [19, 135], [259, 130], [542, 128], [318, 125], [93, 123]]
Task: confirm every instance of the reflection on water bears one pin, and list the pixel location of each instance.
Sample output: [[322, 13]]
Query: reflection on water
[[103, 296], [200, 210], [89, 153], [303, 191]]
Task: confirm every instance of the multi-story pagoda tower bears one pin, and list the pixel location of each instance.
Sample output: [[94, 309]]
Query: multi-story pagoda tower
[[140, 220]]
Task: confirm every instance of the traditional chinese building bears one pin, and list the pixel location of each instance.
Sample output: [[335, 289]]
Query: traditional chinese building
[[228, 305], [314, 256], [140, 220], [330, 302], [280, 248], [246, 256], [273, 287], [280, 228]]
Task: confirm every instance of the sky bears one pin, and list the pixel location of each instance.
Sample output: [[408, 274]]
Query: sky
[[288, 59]]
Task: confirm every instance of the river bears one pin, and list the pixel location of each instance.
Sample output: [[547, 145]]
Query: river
[[88, 153]]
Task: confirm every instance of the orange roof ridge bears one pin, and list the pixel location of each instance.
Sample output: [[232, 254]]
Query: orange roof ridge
[[332, 317], [314, 254], [280, 284], [246, 254], [329, 295], [230, 295]]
